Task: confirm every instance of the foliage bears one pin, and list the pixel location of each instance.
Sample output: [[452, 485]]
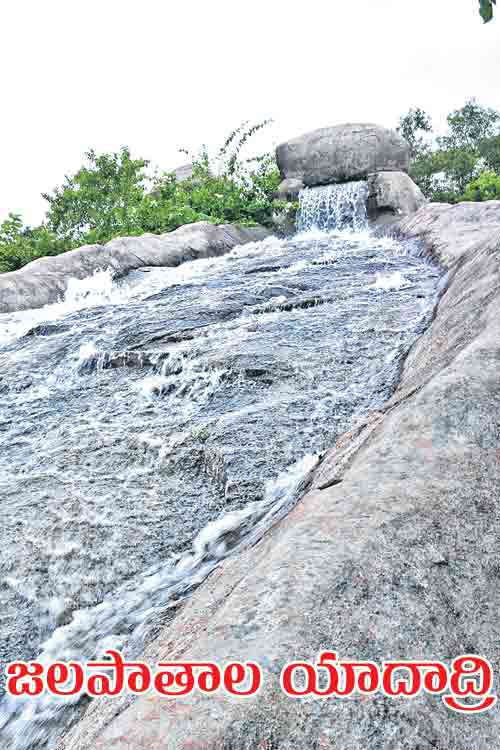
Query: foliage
[[468, 126], [486, 9], [485, 188], [489, 151], [100, 201], [20, 245], [112, 195], [459, 167], [423, 170], [230, 188], [443, 168], [416, 121]]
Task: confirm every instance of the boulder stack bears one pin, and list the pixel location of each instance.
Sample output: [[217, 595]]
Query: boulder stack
[[342, 153]]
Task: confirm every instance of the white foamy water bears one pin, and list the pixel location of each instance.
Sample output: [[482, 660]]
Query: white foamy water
[[98, 289], [333, 207], [185, 378], [152, 280], [125, 620], [171, 403], [386, 282], [92, 291], [88, 352], [101, 288]]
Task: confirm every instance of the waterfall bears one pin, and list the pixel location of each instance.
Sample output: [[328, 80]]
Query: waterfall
[[150, 428], [331, 207]]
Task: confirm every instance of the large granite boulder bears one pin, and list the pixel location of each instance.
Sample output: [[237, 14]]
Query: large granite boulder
[[45, 280], [393, 194], [342, 153], [392, 554]]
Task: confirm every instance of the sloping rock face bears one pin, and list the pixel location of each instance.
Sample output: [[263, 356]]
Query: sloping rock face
[[393, 193], [45, 280], [342, 153], [398, 558]]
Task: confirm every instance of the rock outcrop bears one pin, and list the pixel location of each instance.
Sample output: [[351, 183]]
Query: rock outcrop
[[342, 153], [184, 172], [397, 558], [45, 280], [288, 190], [393, 194]]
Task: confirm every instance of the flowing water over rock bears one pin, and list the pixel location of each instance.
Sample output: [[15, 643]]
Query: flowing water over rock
[[334, 207], [152, 427]]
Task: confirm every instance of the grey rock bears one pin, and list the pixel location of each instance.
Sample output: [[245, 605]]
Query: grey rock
[[342, 153], [393, 193], [288, 190], [44, 280], [184, 172], [285, 221], [284, 224], [181, 174], [453, 233], [400, 560]]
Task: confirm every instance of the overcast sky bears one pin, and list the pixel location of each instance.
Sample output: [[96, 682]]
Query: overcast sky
[[158, 75]]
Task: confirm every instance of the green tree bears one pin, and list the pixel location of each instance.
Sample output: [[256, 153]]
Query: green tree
[[20, 245], [444, 168], [489, 151], [469, 125], [485, 188], [415, 123], [424, 170], [101, 200], [111, 195], [459, 166], [224, 188]]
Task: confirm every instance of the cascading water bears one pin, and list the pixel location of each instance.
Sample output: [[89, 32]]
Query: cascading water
[[182, 404], [334, 207]]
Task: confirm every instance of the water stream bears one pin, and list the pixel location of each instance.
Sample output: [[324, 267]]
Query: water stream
[[153, 426]]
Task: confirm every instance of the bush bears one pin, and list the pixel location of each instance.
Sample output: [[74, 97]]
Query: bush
[[444, 167], [20, 245], [112, 195], [223, 189], [485, 188]]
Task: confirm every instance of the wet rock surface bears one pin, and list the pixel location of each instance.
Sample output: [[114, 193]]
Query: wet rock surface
[[45, 280], [398, 560], [176, 397]]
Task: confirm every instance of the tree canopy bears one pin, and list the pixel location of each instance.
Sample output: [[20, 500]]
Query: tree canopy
[[446, 166], [114, 195]]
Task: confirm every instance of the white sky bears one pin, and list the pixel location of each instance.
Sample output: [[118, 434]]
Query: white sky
[[158, 75]]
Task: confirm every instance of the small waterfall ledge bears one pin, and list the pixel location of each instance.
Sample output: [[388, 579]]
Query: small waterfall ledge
[[333, 207]]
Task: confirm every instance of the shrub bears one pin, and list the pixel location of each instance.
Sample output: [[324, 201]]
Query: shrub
[[443, 168], [485, 188], [112, 195], [100, 201], [20, 245]]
